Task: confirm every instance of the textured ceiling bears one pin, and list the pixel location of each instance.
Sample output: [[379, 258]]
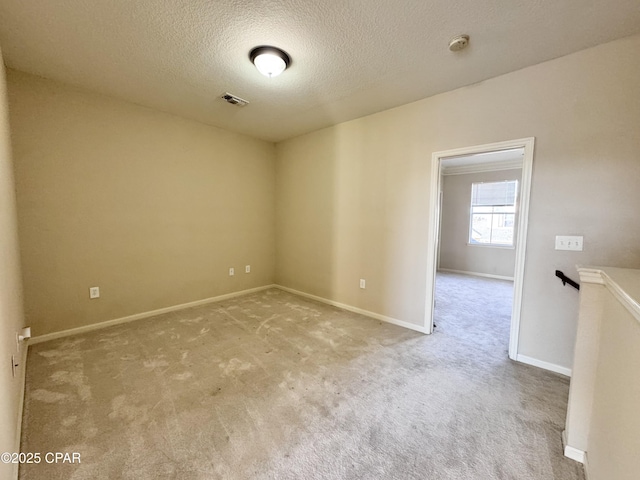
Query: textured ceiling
[[350, 57]]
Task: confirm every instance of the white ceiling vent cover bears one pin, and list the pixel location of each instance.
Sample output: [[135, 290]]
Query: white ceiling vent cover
[[233, 100]]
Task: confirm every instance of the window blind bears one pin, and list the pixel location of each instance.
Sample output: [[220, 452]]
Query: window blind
[[494, 193]]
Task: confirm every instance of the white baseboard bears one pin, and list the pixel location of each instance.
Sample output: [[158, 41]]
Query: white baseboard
[[23, 383], [476, 274], [545, 365], [139, 316], [349, 308], [575, 454], [571, 452]]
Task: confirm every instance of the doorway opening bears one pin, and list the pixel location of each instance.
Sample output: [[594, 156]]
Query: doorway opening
[[491, 233]]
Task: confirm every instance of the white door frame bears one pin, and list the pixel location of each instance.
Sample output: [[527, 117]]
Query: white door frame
[[521, 239]]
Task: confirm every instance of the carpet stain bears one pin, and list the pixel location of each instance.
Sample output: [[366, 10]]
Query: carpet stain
[[158, 362], [48, 396], [234, 366], [75, 379], [69, 421]]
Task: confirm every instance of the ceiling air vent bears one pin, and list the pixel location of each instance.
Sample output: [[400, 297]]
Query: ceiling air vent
[[233, 100]]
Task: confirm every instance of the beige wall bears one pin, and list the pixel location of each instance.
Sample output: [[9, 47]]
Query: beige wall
[[345, 211], [585, 363], [154, 209], [353, 200], [455, 251], [602, 415], [11, 315], [614, 439], [150, 207]]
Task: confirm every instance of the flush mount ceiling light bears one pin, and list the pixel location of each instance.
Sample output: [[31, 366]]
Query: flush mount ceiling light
[[270, 61]]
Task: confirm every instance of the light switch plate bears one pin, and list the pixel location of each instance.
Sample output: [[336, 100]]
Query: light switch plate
[[568, 242]]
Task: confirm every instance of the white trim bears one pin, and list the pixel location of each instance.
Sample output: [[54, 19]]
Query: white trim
[[367, 313], [491, 245], [521, 242], [600, 277], [22, 387], [590, 275], [629, 303], [521, 246], [139, 316], [435, 187], [575, 454], [476, 274], [571, 452], [482, 167], [544, 365]]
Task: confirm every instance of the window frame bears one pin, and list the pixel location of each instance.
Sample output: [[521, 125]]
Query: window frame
[[493, 214]]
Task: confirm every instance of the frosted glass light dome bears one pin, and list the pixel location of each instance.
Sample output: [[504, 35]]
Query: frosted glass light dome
[[270, 61], [269, 64]]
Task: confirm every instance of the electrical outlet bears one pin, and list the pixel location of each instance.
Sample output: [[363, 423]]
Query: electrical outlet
[[247, 269], [94, 292], [232, 272], [566, 242], [363, 283]]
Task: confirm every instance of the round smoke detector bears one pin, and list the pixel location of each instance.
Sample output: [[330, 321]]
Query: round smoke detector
[[458, 43]]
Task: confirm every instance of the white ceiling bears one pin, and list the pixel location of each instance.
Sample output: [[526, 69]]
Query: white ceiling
[[350, 57], [499, 156], [483, 162]]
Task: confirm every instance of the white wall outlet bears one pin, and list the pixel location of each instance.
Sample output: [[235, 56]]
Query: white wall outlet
[[94, 292], [232, 272], [363, 283], [567, 242], [247, 269], [23, 335]]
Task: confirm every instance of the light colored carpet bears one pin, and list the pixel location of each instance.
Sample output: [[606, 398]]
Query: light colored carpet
[[274, 386]]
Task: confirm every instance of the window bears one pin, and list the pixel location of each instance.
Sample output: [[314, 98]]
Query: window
[[493, 212]]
